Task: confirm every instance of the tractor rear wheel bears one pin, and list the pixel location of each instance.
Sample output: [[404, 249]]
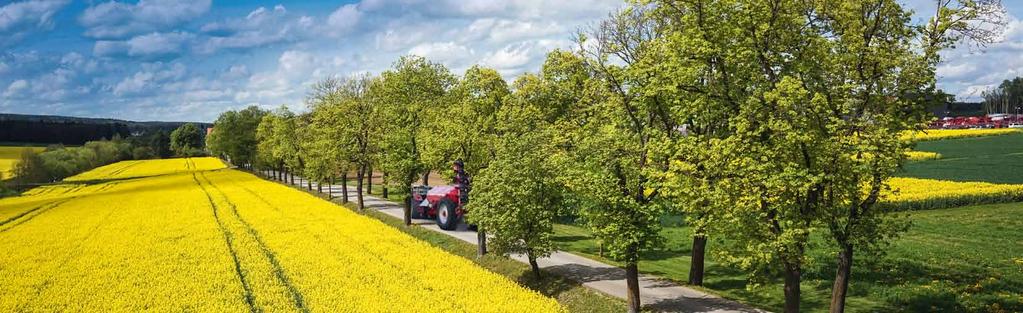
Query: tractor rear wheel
[[447, 219]]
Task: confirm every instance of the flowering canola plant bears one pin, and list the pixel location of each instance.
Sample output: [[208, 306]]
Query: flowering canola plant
[[938, 134], [188, 235], [922, 155], [921, 194]]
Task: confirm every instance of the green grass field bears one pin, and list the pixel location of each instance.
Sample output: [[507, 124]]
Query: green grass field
[[994, 159], [9, 156], [967, 259]]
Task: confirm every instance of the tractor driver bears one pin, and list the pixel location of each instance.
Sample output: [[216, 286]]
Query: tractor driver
[[462, 181]]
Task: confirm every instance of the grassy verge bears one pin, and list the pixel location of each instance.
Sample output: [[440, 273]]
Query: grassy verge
[[967, 259], [572, 295]]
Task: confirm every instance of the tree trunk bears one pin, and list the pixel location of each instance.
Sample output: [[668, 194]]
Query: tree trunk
[[369, 182], [383, 185], [632, 281], [696, 267], [309, 184], [841, 287], [426, 178], [359, 175], [792, 280], [407, 208], [532, 264], [344, 187], [481, 242], [330, 188]]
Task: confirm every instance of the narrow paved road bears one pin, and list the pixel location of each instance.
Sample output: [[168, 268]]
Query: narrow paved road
[[656, 294]]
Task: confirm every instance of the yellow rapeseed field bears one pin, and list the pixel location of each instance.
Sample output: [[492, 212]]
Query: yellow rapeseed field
[[189, 235], [937, 134], [922, 155], [919, 194]]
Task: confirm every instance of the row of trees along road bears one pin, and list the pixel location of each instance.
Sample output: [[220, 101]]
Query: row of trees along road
[[761, 122]]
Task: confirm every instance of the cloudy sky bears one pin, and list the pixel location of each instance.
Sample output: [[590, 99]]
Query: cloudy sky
[[191, 60]]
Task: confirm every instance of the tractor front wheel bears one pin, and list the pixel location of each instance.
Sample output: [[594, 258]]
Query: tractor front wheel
[[447, 219]]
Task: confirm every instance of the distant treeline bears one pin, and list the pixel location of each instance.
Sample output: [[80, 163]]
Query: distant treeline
[[75, 130], [965, 109], [58, 161]]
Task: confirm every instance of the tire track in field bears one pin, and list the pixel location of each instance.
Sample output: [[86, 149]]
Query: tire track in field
[[409, 275], [229, 239], [30, 214], [123, 169], [270, 255]]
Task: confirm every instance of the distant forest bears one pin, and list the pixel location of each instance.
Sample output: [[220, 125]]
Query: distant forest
[[46, 129]]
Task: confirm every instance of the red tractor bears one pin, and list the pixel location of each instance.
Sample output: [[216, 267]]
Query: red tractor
[[443, 203]]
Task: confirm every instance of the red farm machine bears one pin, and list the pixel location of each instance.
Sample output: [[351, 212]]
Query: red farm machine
[[443, 203]]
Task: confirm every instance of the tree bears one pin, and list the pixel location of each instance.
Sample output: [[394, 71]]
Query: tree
[[234, 135], [614, 142], [142, 153], [325, 130], [518, 195], [359, 127], [268, 142], [278, 134], [887, 95], [816, 95], [465, 128], [186, 140], [413, 86], [30, 168]]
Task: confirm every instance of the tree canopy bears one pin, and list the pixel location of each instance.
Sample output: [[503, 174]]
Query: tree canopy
[[186, 140]]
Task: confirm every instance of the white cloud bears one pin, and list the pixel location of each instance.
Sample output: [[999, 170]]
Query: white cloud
[[343, 20], [149, 45], [15, 87], [287, 84], [510, 57], [968, 71], [77, 61], [148, 78], [256, 19], [38, 13], [508, 30], [18, 19], [448, 53], [261, 27], [118, 20], [238, 71]]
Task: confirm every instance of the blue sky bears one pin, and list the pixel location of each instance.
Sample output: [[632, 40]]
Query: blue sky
[[191, 60]]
